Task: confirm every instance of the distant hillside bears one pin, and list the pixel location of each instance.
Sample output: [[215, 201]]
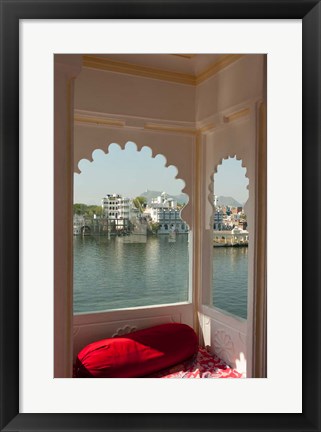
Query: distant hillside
[[181, 198], [228, 201]]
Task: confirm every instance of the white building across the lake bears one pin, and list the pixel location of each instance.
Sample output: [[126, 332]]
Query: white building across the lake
[[164, 211], [116, 206]]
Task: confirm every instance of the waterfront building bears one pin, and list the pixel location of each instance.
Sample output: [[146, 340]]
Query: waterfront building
[[218, 215], [218, 219], [116, 209], [234, 237], [164, 211], [79, 223], [164, 200], [91, 225], [116, 206]]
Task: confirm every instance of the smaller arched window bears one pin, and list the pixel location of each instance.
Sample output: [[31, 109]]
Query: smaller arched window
[[228, 247]]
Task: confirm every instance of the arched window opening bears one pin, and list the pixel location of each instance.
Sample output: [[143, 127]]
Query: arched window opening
[[132, 255], [230, 238]]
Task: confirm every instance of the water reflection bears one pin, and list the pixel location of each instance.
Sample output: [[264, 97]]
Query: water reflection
[[111, 274]]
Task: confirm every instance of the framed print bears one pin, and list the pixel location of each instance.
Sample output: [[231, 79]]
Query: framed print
[[197, 84]]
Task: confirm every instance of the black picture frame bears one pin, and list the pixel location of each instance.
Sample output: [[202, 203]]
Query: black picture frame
[[11, 12]]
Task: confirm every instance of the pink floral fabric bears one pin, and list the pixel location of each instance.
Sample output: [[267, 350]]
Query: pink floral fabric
[[203, 365]]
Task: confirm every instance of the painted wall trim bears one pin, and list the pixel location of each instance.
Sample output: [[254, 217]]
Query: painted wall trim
[[219, 65], [98, 121], [105, 64], [93, 62], [170, 128], [236, 115]]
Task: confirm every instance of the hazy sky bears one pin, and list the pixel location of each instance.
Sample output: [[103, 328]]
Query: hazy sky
[[230, 180], [130, 172]]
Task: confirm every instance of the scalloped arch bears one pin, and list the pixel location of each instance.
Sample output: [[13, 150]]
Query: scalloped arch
[[211, 183], [153, 154]]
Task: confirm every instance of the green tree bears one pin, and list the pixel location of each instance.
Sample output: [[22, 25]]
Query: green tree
[[140, 202], [155, 227], [94, 210], [87, 210], [80, 209], [99, 211]]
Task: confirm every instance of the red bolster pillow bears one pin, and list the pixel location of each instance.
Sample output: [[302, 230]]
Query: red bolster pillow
[[137, 354]]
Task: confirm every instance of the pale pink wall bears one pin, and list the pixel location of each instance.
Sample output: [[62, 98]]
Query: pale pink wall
[[108, 92], [121, 94], [236, 84]]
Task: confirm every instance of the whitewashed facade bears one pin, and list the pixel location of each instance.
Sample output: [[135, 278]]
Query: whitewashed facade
[[116, 206], [164, 211]]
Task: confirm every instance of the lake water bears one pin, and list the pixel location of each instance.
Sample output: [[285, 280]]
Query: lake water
[[111, 274]]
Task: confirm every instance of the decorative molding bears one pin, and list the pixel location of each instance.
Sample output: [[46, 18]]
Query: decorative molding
[[124, 330], [225, 61], [98, 121], [241, 337], [110, 122], [207, 128], [75, 330], [223, 346], [236, 115], [156, 127], [94, 62], [170, 128]]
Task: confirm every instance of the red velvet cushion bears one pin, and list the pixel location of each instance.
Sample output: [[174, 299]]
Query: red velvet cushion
[[137, 354]]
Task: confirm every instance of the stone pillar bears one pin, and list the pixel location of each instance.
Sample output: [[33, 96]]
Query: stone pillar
[[66, 68]]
